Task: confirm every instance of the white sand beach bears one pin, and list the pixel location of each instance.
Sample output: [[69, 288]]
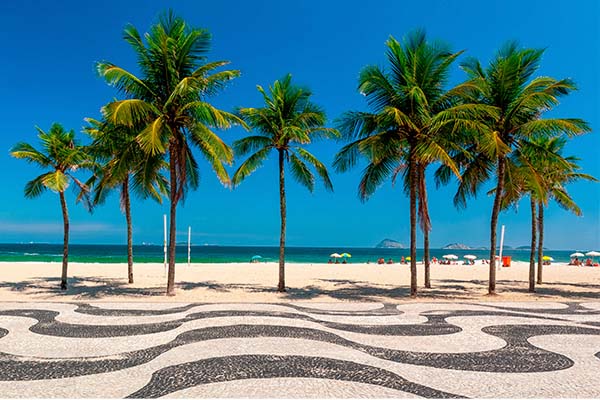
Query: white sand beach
[[245, 282]]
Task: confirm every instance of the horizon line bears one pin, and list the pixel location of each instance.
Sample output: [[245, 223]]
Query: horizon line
[[479, 248]]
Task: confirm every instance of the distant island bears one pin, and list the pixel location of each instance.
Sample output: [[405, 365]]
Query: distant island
[[390, 244], [394, 244], [461, 246], [527, 247], [457, 246]]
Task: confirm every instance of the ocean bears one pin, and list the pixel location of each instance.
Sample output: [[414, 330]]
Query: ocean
[[225, 254]]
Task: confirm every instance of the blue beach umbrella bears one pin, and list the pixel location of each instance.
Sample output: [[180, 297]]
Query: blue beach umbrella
[[256, 257]]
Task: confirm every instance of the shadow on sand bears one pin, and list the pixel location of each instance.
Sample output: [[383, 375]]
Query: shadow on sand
[[96, 288], [83, 288], [575, 291]]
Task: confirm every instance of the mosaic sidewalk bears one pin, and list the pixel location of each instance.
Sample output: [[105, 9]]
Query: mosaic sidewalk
[[432, 350]]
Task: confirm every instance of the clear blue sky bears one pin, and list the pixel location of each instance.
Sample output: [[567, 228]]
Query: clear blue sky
[[47, 74]]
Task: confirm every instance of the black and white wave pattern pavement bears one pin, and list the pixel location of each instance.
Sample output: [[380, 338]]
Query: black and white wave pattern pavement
[[432, 350]]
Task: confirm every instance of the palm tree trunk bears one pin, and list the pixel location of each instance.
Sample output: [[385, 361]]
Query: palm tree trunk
[[540, 241], [281, 285], [65, 260], [413, 176], [426, 257], [127, 205], [494, 224], [532, 251], [172, 225], [425, 224]]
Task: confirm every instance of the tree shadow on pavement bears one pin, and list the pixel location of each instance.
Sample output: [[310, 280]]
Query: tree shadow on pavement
[[82, 288], [566, 290], [96, 288]]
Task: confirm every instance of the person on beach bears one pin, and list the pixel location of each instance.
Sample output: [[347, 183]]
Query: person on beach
[[330, 262], [380, 260], [434, 260], [402, 260], [390, 261]]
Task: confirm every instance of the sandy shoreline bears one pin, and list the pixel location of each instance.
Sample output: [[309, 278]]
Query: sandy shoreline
[[244, 282]]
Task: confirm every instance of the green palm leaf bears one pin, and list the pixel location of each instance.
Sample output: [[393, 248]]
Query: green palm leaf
[[153, 138], [317, 165], [30, 154], [251, 143], [251, 164], [301, 172], [56, 181], [36, 187]]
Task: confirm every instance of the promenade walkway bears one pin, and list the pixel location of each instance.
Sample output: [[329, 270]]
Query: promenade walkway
[[414, 349]]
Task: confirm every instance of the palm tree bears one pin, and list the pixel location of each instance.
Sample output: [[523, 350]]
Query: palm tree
[[522, 178], [62, 156], [124, 166], [288, 121], [555, 173], [537, 168], [519, 101], [170, 99], [422, 210], [412, 125]]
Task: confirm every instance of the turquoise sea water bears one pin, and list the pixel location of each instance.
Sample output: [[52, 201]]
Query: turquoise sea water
[[224, 254]]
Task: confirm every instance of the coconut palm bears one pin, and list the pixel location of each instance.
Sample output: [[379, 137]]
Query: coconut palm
[[412, 125], [555, 172], [537, 168], [522, 178], [288, 121], [124, 166], [170, 98], [506, 85], [422, 210], [61, 155]]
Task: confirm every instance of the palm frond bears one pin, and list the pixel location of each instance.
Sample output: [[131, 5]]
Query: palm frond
[[251, 164], [347, 157], [551, 127], [317, 165], [130, 112], [212, 154], [153, 138], [56, 181], [30, 154], [35, 187], [123, 80], [374, 175], [200, 133], [355, 124], [301, 172], [251, 143], [205, 113]]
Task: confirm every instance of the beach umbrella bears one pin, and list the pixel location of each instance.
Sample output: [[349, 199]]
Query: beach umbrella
[[470, 257], [256, 257], [547, 258], [593, 254], [577, 255], [450, 257], [407, 258], [335, 255], [346, 255]]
